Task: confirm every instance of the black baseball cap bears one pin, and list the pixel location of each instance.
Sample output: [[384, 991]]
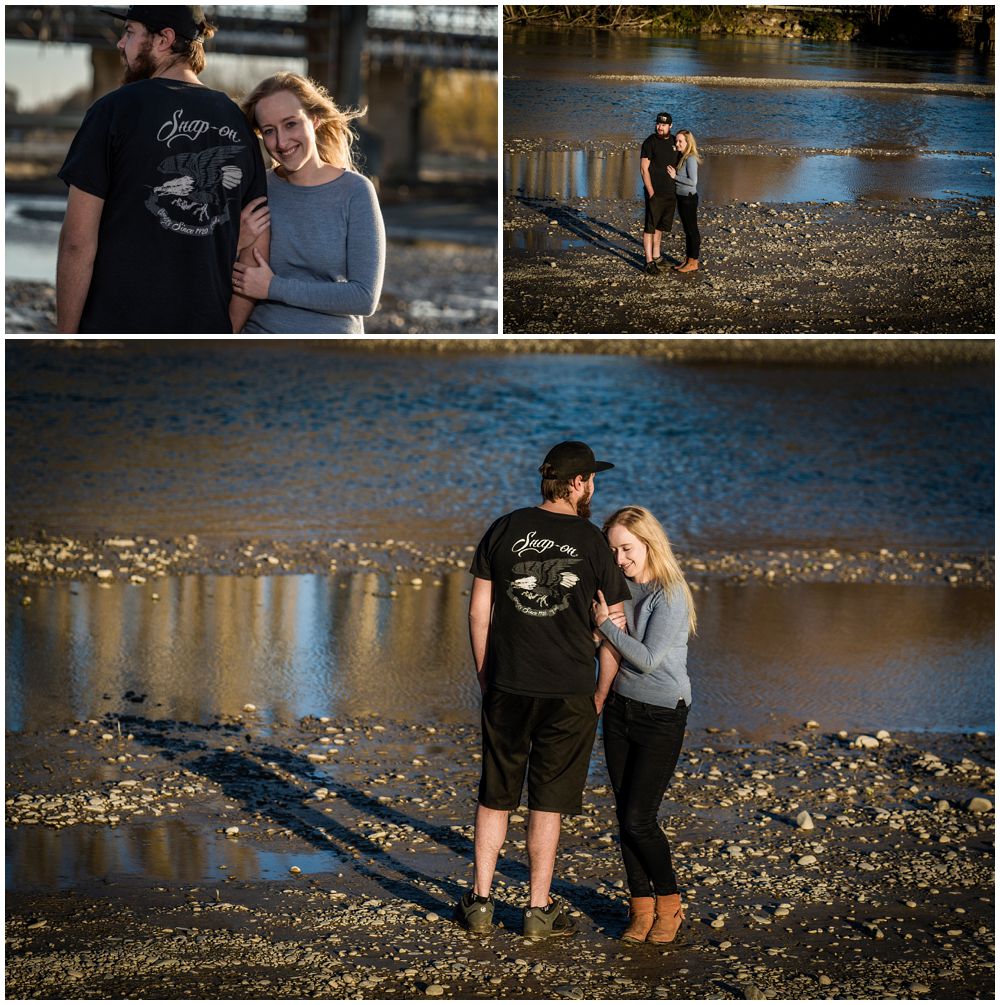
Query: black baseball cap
[[569, 459], [186, 21], [664, 117]]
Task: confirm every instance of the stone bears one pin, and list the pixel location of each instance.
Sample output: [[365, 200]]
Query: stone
[[807, 860], [919, 989], [883, 734], [979, 804], [753, 993], [105, 574], [232, 831], [866, 742], [434, 991], [805, 821]]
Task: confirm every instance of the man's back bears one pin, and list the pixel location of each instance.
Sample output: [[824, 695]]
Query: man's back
[[174, 163], [546, 569]]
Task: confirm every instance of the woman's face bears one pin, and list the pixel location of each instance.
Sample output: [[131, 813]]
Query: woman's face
[[681, 142], [630, 552], [289, 134]]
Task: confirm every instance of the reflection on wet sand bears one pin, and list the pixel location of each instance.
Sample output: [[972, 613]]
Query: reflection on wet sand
[[851, 656]]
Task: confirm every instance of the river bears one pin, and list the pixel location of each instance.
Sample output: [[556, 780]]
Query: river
[[583, 101]]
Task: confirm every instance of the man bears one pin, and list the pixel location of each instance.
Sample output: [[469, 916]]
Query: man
[[536, 572], [157, 176], [656, 155]]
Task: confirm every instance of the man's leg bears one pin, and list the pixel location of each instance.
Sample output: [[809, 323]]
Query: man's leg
[[647, 245], [543, 839], [491, 831], [656, 244]]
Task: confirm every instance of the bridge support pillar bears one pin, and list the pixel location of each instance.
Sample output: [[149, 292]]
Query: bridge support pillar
[[395, 105], [107, 66]]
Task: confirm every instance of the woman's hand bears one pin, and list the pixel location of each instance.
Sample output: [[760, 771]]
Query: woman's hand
[[254, 220], [599, 610], [671, 170], [253, 281]]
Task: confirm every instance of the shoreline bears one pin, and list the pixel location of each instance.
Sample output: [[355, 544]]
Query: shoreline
[[786, 351], [142, 559], [890, 894], [872, 266]]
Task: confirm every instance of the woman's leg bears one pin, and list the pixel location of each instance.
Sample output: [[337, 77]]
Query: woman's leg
[[655, 740], [619, 754], [687, 208]]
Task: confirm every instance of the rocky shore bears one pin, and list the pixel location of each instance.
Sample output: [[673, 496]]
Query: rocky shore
[[821, 865], [143, 560], [430, 289], [921, 266]]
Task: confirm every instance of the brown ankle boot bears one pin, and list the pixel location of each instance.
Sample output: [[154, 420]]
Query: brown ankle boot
[[640, 919], [691, 265], [669, 915]]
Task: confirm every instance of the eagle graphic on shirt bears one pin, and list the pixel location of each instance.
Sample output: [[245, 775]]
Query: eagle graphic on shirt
[[193, 200], [541, 589]]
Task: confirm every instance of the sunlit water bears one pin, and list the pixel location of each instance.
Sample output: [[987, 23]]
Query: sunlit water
[[551, 93], [853, 657], [295, 443]]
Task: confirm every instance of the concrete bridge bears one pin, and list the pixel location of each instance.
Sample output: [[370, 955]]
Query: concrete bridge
[[364, 54]]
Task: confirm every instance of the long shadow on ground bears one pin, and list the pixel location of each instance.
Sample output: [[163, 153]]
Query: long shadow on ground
[[275, 782], [597, 233]]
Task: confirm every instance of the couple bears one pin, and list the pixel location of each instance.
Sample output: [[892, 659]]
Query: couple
[[161, 175], [669, 169], [548, 587]]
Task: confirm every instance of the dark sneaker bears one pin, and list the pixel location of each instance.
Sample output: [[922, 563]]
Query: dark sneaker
[[659, 263], [473, 915], [651, 269], [542, 922]]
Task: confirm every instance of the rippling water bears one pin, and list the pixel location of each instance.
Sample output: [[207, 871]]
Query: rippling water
[[852, 657], [294, 443], [550, 92]]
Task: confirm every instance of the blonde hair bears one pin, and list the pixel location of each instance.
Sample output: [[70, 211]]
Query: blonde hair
[[335, 136], [692, 147], [661, 563]]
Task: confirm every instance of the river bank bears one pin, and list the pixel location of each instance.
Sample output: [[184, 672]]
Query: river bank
[[924, 266], [820, 865], [430, 288], [142, 560]]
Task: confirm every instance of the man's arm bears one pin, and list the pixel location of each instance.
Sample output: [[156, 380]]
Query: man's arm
[[77, 251], [644, 171], [609, 660], [241, 307], [480, 616]]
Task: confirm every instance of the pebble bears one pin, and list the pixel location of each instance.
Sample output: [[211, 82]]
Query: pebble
[[919, 989], [232, 831], [978, 804], [805, 821], [807, 860], [434, 991], [753, 993], [867, 742]]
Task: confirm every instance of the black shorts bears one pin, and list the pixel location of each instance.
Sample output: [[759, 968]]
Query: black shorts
[[551, 737], [659, 213]]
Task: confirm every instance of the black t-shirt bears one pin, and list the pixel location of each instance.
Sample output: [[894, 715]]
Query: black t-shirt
[[174, 163], [660, 152], [546, 568]]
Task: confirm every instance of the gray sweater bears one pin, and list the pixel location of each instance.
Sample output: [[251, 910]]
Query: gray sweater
[[687, 177], [654, 650], [327, 256]]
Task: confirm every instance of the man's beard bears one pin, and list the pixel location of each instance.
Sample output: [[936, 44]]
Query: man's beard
[[583, 505], [142, 67]]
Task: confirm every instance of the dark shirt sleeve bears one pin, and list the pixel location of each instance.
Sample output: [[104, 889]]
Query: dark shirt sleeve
[[611, 579], [258, 181], [646, 150], [480, 567], [88, 163]]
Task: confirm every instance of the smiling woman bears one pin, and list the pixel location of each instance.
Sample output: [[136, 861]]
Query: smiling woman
[[319, 269]]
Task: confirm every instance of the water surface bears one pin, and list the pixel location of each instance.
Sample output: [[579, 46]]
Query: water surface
[[299, 443], [857, 657]]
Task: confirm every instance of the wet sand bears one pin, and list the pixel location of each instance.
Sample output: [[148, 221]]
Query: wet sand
[[920, 266], [890, 894]]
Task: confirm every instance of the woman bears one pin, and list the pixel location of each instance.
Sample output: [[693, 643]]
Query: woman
[[686, 177], [327, 241], [646, 712]]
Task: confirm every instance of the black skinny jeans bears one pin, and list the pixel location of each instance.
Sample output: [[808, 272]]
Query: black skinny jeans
[[687, 210], [641, 745]]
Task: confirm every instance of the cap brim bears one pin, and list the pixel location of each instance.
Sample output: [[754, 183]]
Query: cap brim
[[118, 12], [602, 466]]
